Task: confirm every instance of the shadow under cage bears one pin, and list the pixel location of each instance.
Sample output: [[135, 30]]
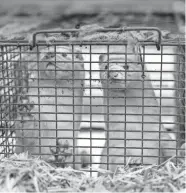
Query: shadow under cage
[[94, 102]]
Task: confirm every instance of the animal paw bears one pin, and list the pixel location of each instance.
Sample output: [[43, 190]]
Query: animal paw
[[60, 153]]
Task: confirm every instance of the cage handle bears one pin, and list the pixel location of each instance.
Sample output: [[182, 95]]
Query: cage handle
[[124, 29], [158, 43]]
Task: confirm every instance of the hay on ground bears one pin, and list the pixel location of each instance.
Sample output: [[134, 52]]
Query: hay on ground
[[20, 173]]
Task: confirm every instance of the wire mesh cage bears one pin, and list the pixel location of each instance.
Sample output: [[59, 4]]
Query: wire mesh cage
[[53, 93]]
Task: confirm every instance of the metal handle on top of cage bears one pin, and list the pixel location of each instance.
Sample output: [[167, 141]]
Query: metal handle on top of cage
[[34, 36], [123, 29], [137, 29]]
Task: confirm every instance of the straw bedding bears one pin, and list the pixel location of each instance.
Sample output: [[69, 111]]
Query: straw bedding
[[20, 173]]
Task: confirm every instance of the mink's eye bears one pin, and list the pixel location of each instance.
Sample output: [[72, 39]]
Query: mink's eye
[[49, 55], [64, 54], [126, 67]]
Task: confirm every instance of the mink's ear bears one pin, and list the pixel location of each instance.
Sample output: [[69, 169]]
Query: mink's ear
[[103, 58]]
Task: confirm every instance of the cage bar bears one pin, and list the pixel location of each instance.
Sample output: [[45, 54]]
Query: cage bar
[[20, 67]]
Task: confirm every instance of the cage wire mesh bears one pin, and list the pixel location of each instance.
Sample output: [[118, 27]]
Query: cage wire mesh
[[136, 97]]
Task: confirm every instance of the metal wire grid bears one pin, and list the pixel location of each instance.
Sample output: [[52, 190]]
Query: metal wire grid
[[16, 85], [8, 96], [180, 68]]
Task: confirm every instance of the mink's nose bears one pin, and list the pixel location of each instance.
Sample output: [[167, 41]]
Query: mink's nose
[[116, 74], [113, 75]]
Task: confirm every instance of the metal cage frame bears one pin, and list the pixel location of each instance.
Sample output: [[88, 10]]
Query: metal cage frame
[[13, 86]]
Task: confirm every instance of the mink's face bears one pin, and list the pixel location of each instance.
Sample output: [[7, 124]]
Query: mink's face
[[117, 72], [62, 64]]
